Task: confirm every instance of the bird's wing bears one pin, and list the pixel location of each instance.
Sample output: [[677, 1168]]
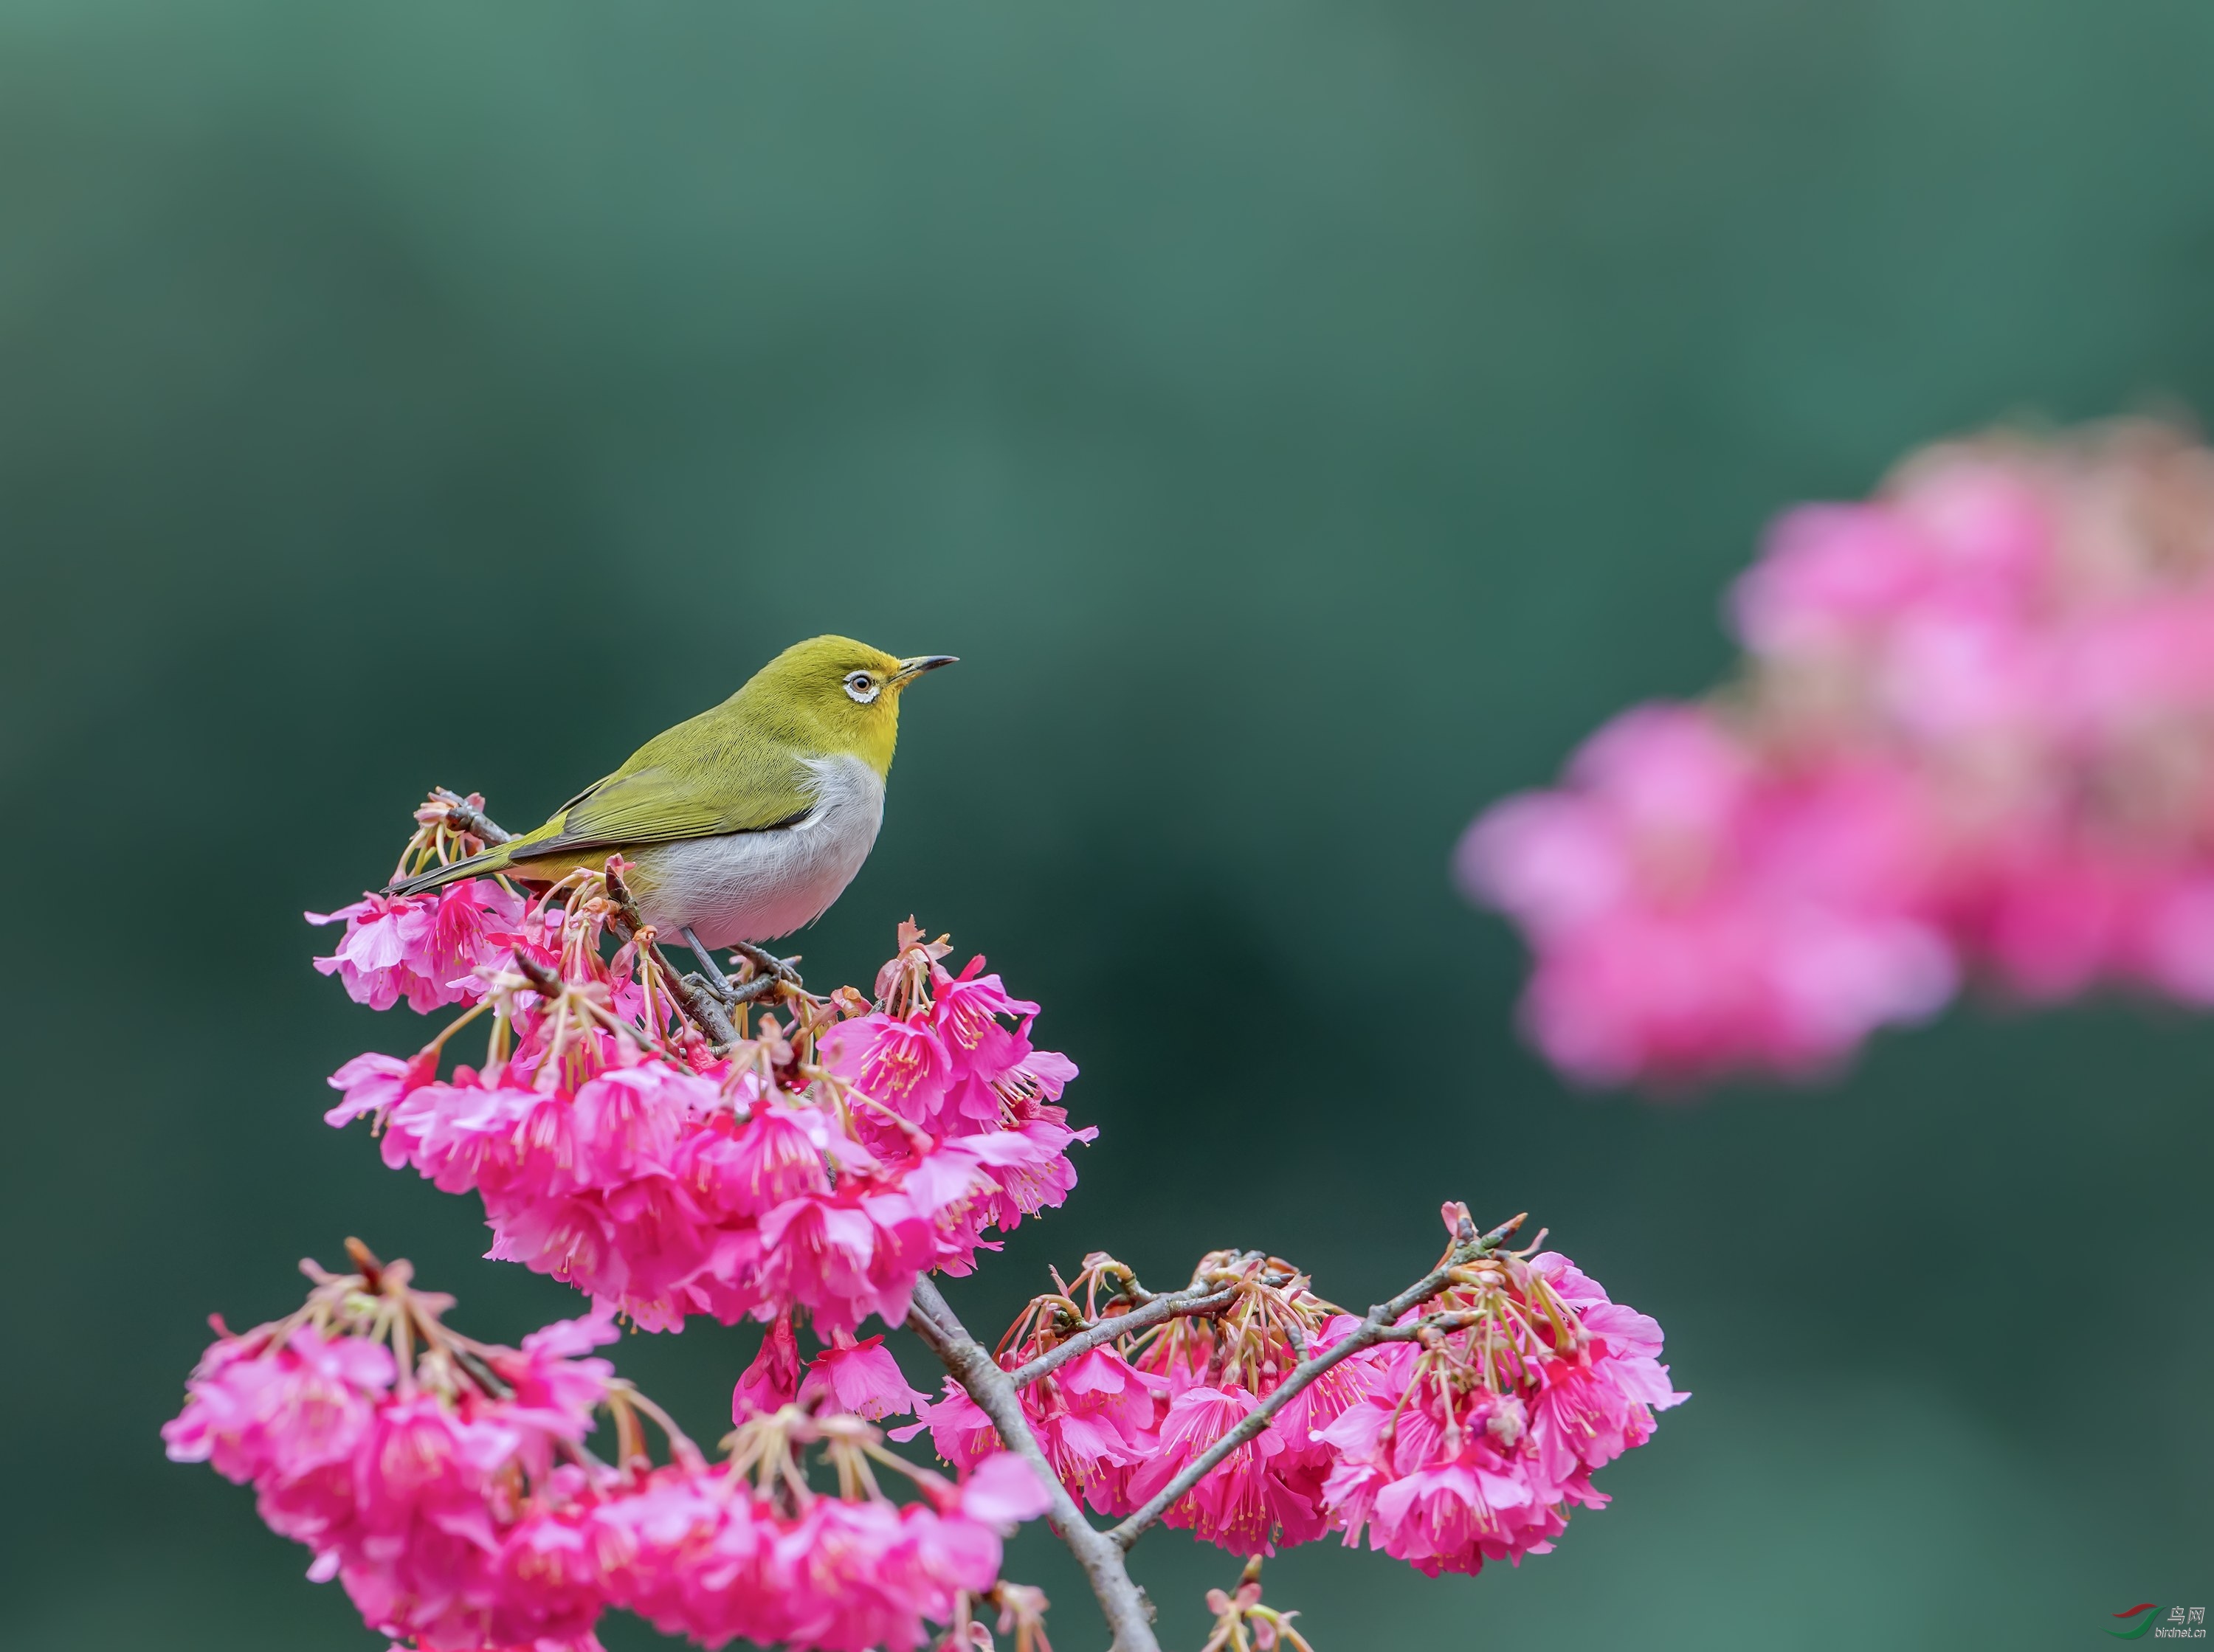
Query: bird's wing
[[656, 804]]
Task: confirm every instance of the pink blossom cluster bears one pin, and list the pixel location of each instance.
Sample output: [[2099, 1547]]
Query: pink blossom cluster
[[453, 1500], [826, 1163], [1472, 1443], [712, 1557], [430, 950], [859, 1379], [1475, 1444], [1974, 736], [1119, 1421], [1096, 1418], [426, 948], [441, 1508]]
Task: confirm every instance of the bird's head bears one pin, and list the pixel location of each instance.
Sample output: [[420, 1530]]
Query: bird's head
[[838, 695]]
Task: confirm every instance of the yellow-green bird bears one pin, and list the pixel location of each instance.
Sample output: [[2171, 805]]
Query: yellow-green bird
[[745, 822]]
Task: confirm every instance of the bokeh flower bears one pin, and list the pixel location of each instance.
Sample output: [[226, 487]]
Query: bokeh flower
[[1973, 737]]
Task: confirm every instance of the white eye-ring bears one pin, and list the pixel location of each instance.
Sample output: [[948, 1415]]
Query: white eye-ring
[[862, 687]]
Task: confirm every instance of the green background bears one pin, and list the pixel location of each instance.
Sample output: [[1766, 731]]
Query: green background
[[1306, 421]]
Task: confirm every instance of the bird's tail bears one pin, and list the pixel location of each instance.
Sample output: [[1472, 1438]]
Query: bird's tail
[[476, 866]]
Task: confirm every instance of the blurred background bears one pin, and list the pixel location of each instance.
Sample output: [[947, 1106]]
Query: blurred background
[[1306, 422]]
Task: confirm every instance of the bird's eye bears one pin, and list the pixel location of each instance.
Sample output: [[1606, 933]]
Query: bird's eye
[[861, 686]]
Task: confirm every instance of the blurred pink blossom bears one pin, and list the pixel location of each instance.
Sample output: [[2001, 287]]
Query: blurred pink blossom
[[407, 1496], [860, 1377], [1974, 737]]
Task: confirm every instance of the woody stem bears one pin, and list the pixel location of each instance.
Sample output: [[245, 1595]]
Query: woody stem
[[1128, 1613], [1189, 1302]]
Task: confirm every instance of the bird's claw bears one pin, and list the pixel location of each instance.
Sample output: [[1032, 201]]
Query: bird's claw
[[769, 971], [732, 994], [767, 963]]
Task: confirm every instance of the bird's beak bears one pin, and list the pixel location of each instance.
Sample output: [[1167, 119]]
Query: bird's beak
[[910, 669]]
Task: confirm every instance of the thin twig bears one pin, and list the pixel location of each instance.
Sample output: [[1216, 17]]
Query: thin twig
[[1381, 1326], [708, 966], [1128, 1613], [1189, 1302], [464, 816]]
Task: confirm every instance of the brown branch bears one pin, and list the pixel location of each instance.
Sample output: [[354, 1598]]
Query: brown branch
[[463, 816], [1189, 1302], [1128, 1613], [1381, 1326]]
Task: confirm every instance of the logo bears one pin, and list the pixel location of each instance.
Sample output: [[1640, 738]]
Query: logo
[[2177, 1624]]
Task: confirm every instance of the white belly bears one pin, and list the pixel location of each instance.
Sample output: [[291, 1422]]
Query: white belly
[[755, 885]]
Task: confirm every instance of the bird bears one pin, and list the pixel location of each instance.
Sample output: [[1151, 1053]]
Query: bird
[[743, 823]]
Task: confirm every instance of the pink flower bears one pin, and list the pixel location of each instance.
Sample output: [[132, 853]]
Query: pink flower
[[665, 1185], [692, 1553], [959, 1432], [1002, 1492], [747, 1170], [1475, 1446], [286, 1409], [627, 1121], [1240, 1505], [839, 1258], [699, 1555], [897, 1061], [772, 1381], [861, 1377], [425, 947], [1693, 914], [555, 1386], [470, 1133], [373, 1085], [1453, 1515], [1094, 1418], [438, 1506], [548, 1583]]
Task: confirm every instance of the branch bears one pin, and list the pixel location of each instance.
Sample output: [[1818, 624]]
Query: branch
[[1379, 1326], [464, 816], [1124, 1604], [1187, 1303]]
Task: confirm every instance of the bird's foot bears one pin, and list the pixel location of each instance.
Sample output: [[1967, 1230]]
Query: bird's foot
[[717, 983], [767, 963], [769, 971]]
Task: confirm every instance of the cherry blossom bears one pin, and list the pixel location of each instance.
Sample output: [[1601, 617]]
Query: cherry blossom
[[1476, 1443], [443, 1494], [1973, 738], [449, 1492], [822, 1165], [425, 948]]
